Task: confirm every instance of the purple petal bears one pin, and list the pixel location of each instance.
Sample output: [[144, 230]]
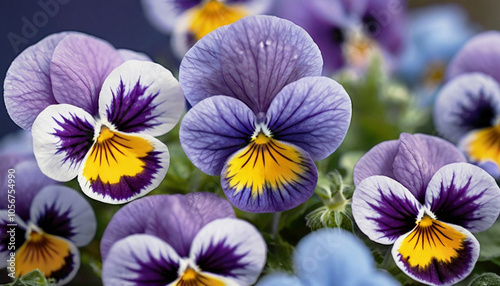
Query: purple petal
[[141, 259], [27, 182], [478, 55], [269, 177], [141, 97], [490, 167], [439, 270], [377, 161], [254, 67], [62, 136], [128, 55], [231, 248], [11, 225], [27, 86], [123, 167], [295, 115], [384, 209], [418, 159], [465, 195], [213, 130], [79, 66], [467, 102], [62, 211]]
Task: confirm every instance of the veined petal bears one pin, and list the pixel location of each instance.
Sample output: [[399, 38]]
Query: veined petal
[[384, 209], [418, 159], [230, 248], [54, 256], [482, 145], [465, 195], [436, 253], [296, 117], [470, 101], [121, 167], [61, 211], [140, 259], [377, 161], [62, 136], [141, 97], [27, 86], [12, 235], [269, 176], [128, 55], [79, 66], [213, 130], [477, 55]]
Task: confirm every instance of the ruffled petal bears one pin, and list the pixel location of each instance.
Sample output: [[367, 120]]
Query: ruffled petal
[[12, 235], [128, 55], [296, 117], [465, 195], [335, 257], [269, 176], [478, 55], [419, 157], [260, 55], [140, 259], [121, 167], [213, 130], [141, 97], [62, 136], [79, 66], [230, 248], [384, 209], [62, 211], [377, 161], [470, 101], [436, 253], [54, 256], [27, 85]]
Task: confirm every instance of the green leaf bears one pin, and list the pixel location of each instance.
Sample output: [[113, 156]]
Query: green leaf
[[33, 278], [487, 279], [489, 241], [279, 254]]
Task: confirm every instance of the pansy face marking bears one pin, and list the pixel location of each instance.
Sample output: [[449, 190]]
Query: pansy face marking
[[419, 195], [261, 113]]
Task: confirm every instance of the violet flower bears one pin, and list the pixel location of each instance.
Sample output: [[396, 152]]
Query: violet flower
[[467, 108], [181, 240], [93, 115], [261, 113], [350, 33], [50, 222], [417, 194]]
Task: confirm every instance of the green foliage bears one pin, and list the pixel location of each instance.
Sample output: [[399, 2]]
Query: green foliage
[[487, 279], [490, 242], [33, 278]]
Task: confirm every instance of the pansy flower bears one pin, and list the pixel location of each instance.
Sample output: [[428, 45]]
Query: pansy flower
[[188, 21], [331, 257], [262, 113], [417, 194], [181, 240], [468, 107], [50, 222], [350, 33], [93, 115]]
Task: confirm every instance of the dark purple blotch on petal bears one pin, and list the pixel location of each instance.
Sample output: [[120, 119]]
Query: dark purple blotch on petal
[[158, 271], [55, 222], [221, 258], [132, 112], [66, 270], [5, 232], [480, 115], [76, 137], [130, 186]]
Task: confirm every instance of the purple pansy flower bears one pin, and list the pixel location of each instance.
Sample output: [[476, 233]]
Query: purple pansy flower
[[262, 113], [349, 33], [418, 194], [190, 20], [467, 109], [181, 240], [50, 222], [93, 115], [331, 257]]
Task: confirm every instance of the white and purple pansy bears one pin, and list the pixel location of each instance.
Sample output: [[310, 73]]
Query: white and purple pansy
[[94, 115], [467, 109], [419, 195], [50, 222], [188, 21], [146, 244], [261, 112]]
